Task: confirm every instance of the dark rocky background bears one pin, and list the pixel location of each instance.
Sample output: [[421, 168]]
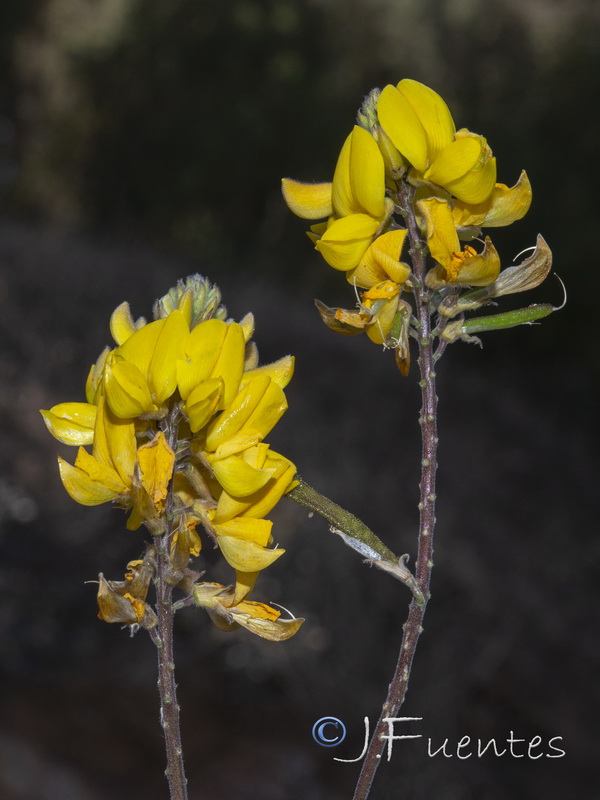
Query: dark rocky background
[[142, 140]]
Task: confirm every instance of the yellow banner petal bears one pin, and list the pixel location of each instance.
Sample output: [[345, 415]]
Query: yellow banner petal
[[139, 348], [341, 190], [433, 113], [403, 126], [230, 362], [367, 173], [169, 349]]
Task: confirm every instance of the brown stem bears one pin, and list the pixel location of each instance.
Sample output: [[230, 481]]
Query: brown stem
[[428, 421], [169, 708]]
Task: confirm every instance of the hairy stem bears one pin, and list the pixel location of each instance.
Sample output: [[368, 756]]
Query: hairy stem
[[428, 421], [165, 612], [169, 708]]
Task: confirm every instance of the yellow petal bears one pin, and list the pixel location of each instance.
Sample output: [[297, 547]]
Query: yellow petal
[[367, 173], [94, 380], [156, 461], [381, 262], [401, 123], [230, 362], [127, 390], [122, 325], [279, 371], [456, 159], [139, 348], [202, 351], [476, 185], [114, 442], [169, 349], [442, 238], [247, 556], [84, 489], [100, 473], [503, 207], [233, 418], [346, 240], [268, 411], [249, 529], [341, 189], [433, 113], [203, 403], [239, 478], [71, 423], [307, 200], [262, 502], [244, 583]]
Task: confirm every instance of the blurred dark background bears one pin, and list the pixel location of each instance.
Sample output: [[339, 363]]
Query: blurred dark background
[[143, 140]]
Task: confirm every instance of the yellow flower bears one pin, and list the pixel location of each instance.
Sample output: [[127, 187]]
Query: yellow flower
[[421, 127], [141, 374], [107, 473], [355, 202], [455, 265]]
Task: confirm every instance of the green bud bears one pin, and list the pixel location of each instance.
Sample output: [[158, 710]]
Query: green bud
[[204, 297], [461, 329]]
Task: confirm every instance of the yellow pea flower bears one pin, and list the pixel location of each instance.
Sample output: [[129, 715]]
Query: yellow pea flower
[[455, 265], [419, 124], [355, 202], [141, 374], [107, 473]]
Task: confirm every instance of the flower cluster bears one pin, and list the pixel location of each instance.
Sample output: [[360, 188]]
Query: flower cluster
[[176, 417], [406, 151]]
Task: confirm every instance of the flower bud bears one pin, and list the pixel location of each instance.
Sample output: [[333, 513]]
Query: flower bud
[[201, 300]]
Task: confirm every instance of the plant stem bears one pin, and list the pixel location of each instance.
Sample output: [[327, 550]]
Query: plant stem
[[169, 708], [428, 421]]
